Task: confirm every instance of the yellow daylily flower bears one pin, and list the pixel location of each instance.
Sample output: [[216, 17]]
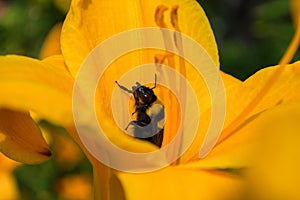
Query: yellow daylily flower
[[45, 88], [79, 38], [262, 91]]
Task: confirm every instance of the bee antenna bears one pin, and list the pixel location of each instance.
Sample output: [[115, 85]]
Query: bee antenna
[[155, 78], [137, 84]]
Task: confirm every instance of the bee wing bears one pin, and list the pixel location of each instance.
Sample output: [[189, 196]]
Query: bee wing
[[157, 115]]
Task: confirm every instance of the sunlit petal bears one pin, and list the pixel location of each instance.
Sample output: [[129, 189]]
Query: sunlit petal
[[235, 146], [282, 90], [175, 183], [274, 170], [231, 84], [30, 85], [57, 61], [235, 151], [240, 149]]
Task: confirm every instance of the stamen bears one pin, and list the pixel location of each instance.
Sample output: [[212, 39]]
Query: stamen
[[287, 57], [160, 59], [181, 68], [291, 50], [177, 38], [159, 16], [170, 60]]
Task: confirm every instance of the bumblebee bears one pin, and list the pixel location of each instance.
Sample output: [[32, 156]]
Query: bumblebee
[[150, 114]]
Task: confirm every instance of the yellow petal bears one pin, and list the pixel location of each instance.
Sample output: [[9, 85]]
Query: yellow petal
[[51, 44], [274, 171], [30, 85], [57, 61], [204, 100], [237, 151], [175, 183], [283, 89], [20, 138], [235, 146], [89, 23]]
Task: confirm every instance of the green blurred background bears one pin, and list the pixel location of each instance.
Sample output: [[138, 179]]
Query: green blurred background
[[250, 34]]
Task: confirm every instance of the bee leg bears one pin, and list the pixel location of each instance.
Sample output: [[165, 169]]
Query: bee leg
[[134, 112], [140, 123], [130, 123], [124, 88]]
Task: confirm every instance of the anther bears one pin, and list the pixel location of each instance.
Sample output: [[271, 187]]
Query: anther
[[160, 58], [159, 16], [174, 17]]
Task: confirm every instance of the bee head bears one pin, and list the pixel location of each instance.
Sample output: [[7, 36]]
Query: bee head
[[144, 95]]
